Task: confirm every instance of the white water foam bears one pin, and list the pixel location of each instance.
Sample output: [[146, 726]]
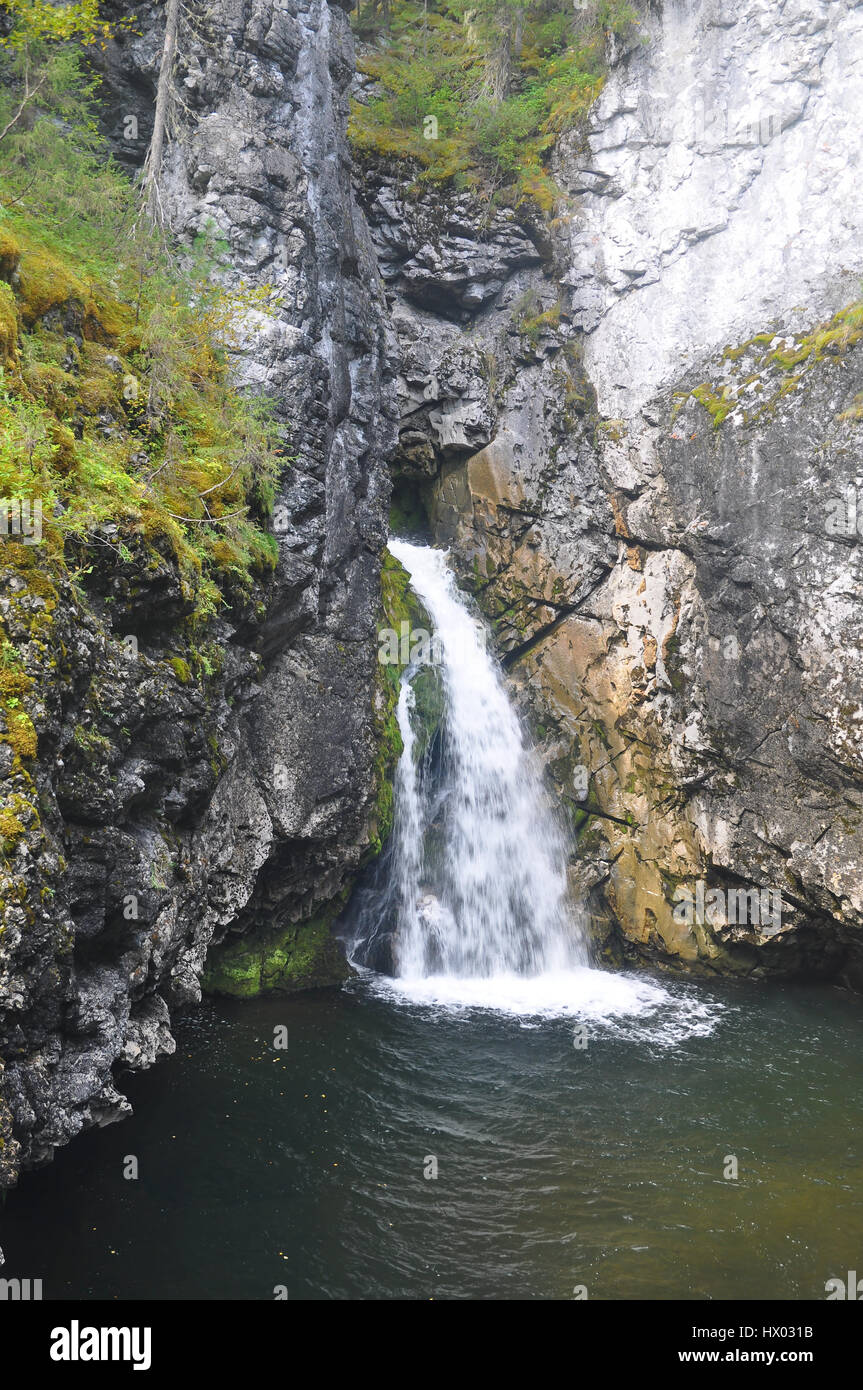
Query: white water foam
[[607, 1003], [489, 924]]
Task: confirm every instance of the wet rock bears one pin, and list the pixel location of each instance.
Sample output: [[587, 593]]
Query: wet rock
[[639, 499], [165, 818]]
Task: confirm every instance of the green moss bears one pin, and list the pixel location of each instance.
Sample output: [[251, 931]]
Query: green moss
[[10, 252], [833, 338], [615, 430], [16, 814], [44, 282], [187, 470], [759, 341], [389, 750], [99, 394], [400, 606], [206, 660], [11, 830], [20, 734], [94, 747], [531, 320], [428, 708], [300, 956], [779, 371], [8, 326], [718, 405], [32, 598], [51, 386], [14, 684], [218, 760], [855, 410], [395, 592], [181, 669], [396, 608]]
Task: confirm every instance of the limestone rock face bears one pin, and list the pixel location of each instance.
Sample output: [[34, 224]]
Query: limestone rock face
[[248, 802], [720, 188], [641, 452], [637, 429], [436, 253]]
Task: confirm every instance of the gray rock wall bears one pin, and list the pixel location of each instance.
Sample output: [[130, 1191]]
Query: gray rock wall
[[657, 515], [642, 503], [719, 188], [248, 801]]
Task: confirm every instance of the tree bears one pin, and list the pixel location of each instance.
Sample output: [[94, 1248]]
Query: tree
[[496, 27], [509, 21], [153, 162], [43, 64]]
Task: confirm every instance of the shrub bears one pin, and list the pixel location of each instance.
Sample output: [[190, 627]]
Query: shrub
[[503, 80]]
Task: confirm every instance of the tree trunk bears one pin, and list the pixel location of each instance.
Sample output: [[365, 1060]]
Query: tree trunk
[[499, 68], [518, 34], [153, 162]]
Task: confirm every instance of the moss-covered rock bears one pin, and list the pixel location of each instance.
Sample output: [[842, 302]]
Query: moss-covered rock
[[300, 956], [428, 708], [8, 326], [760, 373], [403, 614]]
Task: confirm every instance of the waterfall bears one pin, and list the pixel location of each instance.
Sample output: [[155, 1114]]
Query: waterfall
[[468, 906], [488, 896], [470, 903]]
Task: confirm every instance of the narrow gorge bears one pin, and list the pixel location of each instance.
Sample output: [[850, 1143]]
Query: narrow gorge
[[457, 637]]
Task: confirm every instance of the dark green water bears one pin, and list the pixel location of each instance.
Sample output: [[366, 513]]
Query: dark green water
[[557, 1166]]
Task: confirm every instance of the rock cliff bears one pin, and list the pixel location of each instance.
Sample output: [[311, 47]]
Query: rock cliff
[[175, 809], [634, 422]]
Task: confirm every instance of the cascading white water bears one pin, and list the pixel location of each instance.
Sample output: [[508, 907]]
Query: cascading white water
[[474, 911], [408, 829], [499, 905]]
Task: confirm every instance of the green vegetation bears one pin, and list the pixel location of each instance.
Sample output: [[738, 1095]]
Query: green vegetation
[[833, 337], [396, 608], [531, 320], [401, 611], [301, 955], [15, 815], [855, 409], [117, 403], [718, 405], [477, 91], [93, 746], [613, 430], [768, 367], [181, 669]]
